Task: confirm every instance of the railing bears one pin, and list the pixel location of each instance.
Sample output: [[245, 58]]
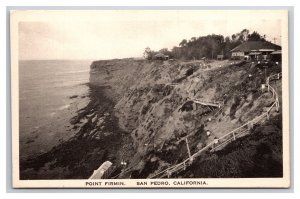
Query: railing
[[172, 84], [215, 103], [122, 172], [227, 138]]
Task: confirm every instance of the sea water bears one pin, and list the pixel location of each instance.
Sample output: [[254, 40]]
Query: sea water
[[50, 94]]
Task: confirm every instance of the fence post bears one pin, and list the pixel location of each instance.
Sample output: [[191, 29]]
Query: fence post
[[250, 126], [188, 148], [277, 105], [169, 173], [194, 106], [233, 135], [268, 117]]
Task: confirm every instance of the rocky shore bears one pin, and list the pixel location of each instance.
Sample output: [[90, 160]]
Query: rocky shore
[[97, 139], [142, 112]]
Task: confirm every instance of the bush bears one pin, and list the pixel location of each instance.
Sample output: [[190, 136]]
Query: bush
[[256, 155]]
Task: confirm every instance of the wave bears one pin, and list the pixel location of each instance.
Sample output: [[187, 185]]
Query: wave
[[64, 107], [72, 72], [52, 114]]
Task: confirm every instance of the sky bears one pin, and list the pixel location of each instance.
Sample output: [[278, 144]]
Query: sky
[[45, 35]]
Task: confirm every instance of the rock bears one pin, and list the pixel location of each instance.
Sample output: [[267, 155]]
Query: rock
[[73, 96], [107, 133], [200, 146], [208, 133], [94, 118], [97, 138], [154, 159]]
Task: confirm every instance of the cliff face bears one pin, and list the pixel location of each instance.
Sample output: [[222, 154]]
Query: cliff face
[[145, 112], [156, 104], [117, 76]]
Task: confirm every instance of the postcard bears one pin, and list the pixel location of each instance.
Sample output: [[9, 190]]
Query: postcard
[[150, 98]]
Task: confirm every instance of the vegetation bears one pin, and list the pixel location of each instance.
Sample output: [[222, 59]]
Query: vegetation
[[256, 155], [206, 46]]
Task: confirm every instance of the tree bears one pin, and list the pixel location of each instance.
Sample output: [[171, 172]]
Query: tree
[[193, 39], [183, 43], [165, 51], [244, 35], [177, 52], [255, 36], [233, 37], [148, 53], [240, 36], [211, 45]]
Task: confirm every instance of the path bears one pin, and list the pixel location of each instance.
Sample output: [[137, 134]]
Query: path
[[227, 138]]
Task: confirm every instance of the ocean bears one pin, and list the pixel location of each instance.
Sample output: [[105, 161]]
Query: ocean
[[50, 94]]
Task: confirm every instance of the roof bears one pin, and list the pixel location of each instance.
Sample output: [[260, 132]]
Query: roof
[[255, 45], [160, 55], [255, 53], [266, 50], [278, 52]]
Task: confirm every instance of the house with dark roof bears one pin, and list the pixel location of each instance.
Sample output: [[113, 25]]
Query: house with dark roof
[[161, 56], [254, 50], [276, 56]]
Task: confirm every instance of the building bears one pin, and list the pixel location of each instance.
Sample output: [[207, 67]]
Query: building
[[161, 56], [254, 50], [276, 56], [220, 57]]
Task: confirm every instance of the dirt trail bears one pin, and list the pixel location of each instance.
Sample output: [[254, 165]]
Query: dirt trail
[[171, 117], [219, 143]]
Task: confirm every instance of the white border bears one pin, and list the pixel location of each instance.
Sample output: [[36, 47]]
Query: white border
[[17, 16], [215, 193]]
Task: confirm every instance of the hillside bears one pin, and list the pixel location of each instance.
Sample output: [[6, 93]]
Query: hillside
[[157, 110], [142, 112]]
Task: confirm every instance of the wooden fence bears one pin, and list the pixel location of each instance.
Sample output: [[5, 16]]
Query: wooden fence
[[227, 138]]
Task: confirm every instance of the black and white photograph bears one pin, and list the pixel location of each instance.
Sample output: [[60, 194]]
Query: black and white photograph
[[150, 98]]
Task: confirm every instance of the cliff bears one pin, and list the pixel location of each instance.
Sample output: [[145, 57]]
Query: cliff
[[162, 103], [154, 114]]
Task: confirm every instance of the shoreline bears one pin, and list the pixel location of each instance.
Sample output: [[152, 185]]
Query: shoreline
[[97, 138], [54, 129]]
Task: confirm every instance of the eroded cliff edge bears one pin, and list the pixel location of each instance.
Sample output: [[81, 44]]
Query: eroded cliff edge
[[154, 103], [145, 112]]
